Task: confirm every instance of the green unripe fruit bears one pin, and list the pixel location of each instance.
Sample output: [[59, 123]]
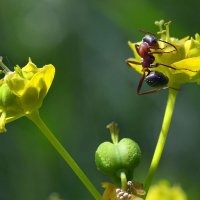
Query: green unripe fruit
[[114, 158], [6, 96]]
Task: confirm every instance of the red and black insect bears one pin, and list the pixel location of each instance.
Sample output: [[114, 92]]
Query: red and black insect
[[151, 77]]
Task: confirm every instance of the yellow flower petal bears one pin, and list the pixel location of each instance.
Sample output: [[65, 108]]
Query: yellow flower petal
[[191, 72], [16, 83], [37, 88], [110, 191], [192, 47]]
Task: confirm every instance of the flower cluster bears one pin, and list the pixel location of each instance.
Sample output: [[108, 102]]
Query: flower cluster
[[163, 190], [22, 91], [186, 58]]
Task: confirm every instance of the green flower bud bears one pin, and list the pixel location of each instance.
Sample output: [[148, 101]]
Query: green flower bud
[[6, 96], [114, 158]]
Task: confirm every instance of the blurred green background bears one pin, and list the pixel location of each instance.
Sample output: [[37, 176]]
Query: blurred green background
[[87, 42]]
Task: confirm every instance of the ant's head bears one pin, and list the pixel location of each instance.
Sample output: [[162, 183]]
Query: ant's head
[[151, 40]]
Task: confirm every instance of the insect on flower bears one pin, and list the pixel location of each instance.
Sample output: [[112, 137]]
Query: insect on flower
[[135, 191], [151, 77]]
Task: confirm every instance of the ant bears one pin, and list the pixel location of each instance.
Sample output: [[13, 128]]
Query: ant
[[152, 78]]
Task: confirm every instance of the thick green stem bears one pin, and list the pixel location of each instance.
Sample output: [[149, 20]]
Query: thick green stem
[[35, 118], [162, 138]]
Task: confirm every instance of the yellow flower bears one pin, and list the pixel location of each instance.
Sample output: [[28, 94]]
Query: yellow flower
[[23, 91], [164, 191], [111, 192], [182, 59], [54, 196]]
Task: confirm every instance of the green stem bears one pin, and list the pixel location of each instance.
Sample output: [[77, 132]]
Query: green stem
[[162, 138], [35, 118], [114, 131], [123, 181]]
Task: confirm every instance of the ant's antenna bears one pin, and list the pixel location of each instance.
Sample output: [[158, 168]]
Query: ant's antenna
[[168, 44], [149, 33], [146, 32]]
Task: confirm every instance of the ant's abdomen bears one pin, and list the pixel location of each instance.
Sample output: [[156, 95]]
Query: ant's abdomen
[[156, 79]]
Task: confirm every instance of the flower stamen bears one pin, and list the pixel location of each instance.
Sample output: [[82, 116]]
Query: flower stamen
[[5, 68]]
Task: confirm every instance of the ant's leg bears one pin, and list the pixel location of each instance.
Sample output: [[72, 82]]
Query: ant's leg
[[132, 62], [156, 90], [140, 84], [161, 52], [166, 51], [137, 48], [157, 64], [152, 91], [173, 88]]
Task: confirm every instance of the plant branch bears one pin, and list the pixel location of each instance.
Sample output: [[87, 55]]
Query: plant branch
[[35, 118], [162, 138]]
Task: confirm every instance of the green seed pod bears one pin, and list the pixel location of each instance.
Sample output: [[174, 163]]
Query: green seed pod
[[6, 96], [114, 158]]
